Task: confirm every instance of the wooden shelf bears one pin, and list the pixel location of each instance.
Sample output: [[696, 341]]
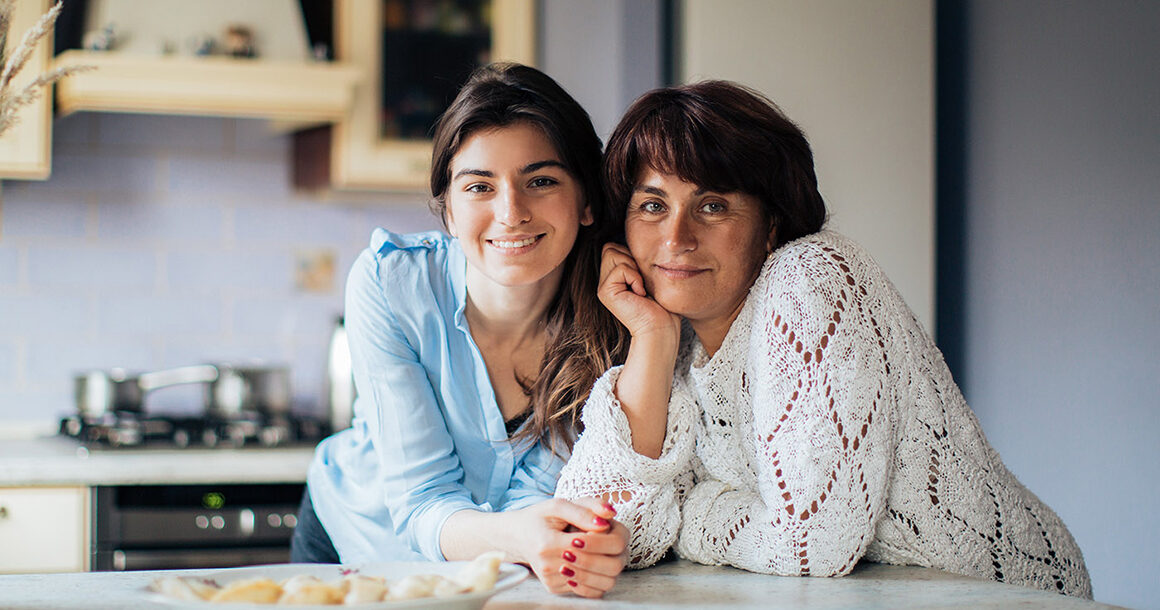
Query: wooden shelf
[[209, 86]]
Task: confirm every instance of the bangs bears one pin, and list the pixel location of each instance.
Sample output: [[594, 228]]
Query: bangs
[[672, 141]]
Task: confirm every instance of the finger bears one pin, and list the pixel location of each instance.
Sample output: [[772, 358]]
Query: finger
[[615, 248], [578, 516], [598, 506], [612, 542], [605, 565], [589, 585]]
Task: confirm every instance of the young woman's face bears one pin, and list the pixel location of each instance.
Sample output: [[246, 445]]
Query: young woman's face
[[698, 251], [514, 207]]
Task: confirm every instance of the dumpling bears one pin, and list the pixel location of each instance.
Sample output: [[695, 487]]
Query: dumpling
[[186, 589], [304, 589], [363, 589], [414, 587], [253, 590], [445, 587], [481, 573]]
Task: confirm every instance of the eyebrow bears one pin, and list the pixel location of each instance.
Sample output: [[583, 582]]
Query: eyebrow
[[659, 192], [527, 169]]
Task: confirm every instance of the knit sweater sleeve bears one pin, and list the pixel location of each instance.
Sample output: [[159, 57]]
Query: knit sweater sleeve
[[646, 492], [821, 432]]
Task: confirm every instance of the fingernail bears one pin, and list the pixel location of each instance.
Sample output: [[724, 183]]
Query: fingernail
[[572, 583], [601, 521], [578, 543], [608, 507], [566, 571], [569, 556]]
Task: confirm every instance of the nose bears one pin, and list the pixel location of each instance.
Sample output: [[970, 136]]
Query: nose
[[679, 234], [510, 208]]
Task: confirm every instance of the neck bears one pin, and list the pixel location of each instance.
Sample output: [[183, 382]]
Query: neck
[[712, 332], [510, 313]]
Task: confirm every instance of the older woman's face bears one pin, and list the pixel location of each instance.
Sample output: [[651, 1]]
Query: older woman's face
[[699, 251]]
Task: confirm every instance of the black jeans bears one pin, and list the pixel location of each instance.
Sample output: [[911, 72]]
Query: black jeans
[[310, 543]]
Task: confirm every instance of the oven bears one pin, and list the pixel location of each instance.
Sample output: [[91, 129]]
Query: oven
[[158, 527]]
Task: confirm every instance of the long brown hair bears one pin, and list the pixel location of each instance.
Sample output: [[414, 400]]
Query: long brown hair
[[583, 338], [724, 137]]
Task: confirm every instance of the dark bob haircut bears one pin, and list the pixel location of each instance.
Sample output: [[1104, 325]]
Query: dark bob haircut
[[723, 137]]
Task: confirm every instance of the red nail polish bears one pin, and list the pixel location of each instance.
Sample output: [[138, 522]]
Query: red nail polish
[[566, 571], [572, 583], [608, 507], [569, 556], [578, 543], [601, 521]]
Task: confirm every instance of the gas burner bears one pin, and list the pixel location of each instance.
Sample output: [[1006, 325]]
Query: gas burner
[[127, 429]]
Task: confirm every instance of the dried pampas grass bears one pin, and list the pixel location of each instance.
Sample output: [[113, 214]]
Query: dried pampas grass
[[12, 100]]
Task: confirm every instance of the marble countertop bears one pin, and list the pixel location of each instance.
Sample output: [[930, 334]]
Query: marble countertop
[[677, 583], [56, 460]]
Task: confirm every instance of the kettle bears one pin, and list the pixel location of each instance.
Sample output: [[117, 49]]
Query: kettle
[[340, 391]]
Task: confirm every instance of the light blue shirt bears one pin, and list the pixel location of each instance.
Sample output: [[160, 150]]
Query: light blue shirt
[[428, 438]]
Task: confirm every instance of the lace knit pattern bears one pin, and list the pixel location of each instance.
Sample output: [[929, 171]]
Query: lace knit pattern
[[827, 428]]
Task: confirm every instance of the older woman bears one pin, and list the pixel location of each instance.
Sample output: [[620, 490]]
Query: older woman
[[804, 420]]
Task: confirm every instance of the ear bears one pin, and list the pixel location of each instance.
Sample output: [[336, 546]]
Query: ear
[[771, 239], [449, 220], [586, 216]]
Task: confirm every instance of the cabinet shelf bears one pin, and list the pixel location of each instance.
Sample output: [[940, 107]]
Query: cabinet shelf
[[212, 86]]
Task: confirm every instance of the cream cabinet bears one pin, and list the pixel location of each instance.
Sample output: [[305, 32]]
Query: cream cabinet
[[414, 58], [26, 147], [44, 529]]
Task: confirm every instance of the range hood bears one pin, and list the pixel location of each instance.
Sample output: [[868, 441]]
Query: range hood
[[284, 91]]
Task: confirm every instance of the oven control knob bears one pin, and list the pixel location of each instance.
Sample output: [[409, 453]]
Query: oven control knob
[[274, 519], [202, 522], [290, 520], [217, 522]]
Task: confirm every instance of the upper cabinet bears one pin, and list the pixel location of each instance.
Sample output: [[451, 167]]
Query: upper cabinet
[[138, 78], [25, 148], [416, 54], [312, 92]]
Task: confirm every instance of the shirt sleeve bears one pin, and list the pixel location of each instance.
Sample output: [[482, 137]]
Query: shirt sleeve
[[822, 428], [534, 479], [420, 470], [646, 492]]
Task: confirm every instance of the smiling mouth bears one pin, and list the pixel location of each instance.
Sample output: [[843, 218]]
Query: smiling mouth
[[514, 244], [679, 271]]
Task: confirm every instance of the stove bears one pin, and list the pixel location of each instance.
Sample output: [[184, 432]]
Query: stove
[[126, 429]]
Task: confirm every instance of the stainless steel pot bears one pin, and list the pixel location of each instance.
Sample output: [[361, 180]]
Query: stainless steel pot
[[101, 393], [340, 392], [240, 389]]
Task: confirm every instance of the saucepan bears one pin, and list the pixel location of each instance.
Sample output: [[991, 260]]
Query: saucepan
[[240, 389], [101, 393], [230, 392]]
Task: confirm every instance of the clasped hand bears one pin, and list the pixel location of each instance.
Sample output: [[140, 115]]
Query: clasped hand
[[573, 546]]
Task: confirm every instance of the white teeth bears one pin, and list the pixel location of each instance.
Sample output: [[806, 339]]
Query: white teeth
[[514, 244]]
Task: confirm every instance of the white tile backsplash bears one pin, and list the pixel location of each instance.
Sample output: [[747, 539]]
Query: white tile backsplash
[[167, 241]]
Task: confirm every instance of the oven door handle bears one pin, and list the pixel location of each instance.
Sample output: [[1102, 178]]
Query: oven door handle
[[177, 559]]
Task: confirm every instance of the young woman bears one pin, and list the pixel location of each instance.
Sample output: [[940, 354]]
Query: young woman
[[468, 364], [804, 421]]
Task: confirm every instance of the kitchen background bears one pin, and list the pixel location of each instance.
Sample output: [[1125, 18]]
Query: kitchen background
[[162, 241]]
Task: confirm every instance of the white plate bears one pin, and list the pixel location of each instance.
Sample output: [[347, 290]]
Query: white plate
[[510, 575]]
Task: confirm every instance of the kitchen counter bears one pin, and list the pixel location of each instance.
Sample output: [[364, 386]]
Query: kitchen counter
[[58, 460], [678, 583]]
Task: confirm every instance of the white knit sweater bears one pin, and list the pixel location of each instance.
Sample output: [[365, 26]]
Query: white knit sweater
[[825, 429]]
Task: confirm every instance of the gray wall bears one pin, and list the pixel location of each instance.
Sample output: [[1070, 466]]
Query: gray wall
[[1061, 274], [604, 52]]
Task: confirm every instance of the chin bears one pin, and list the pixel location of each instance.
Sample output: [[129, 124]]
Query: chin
[[682, 305]]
